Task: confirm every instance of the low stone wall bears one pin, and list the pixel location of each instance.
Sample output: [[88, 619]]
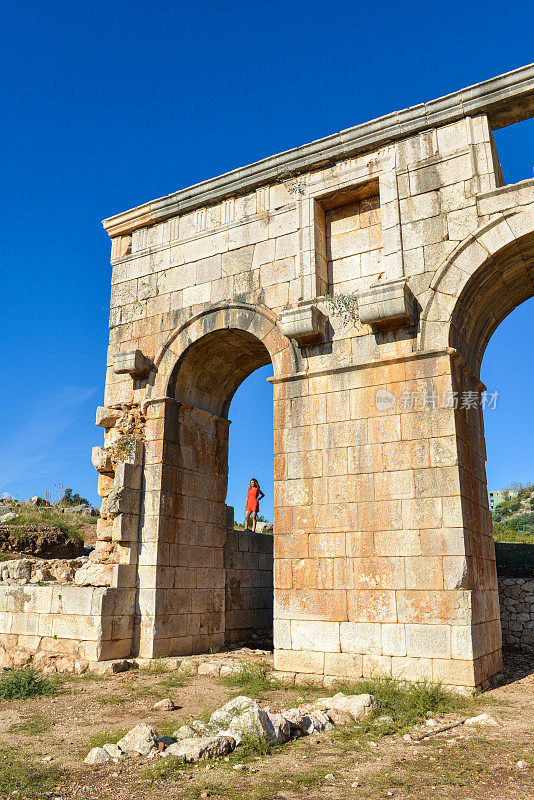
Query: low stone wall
[[516, 597], [62, 627], [248, 562]]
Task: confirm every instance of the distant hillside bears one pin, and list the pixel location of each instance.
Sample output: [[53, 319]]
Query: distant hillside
[[513, 520]]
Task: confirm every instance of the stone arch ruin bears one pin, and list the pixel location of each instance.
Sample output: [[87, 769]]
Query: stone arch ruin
[[384, 560]]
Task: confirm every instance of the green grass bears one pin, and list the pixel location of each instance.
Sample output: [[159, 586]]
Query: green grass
[[174, 680], [33, 725], [104, 737], [21, 776], [24, 682], [252, 680], [111, 699], [407, 703], [153, 669], [69, 524]]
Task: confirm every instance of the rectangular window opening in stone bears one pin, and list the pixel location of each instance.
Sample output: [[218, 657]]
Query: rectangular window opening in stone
[[348, 239]]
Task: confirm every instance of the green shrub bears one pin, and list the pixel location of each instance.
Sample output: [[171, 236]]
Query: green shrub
[[18, 684], [252, 679], [406, 703]]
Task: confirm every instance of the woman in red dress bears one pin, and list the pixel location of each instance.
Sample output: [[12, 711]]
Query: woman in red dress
[[254, 495]]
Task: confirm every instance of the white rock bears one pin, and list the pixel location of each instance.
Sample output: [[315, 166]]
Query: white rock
[[164, 705], [281, 727], [8, 517], [184, 732], [97, 756], [140, 739], [113, 750], [223, 716], [198, 749], [522, 765], [207, 668], [200, 727], [295, 718], [315, 722], [235, 735], [357, 705], [482, 719]]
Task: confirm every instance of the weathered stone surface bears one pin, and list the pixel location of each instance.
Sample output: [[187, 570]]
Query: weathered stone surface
[[200, 749], [101, 460], [357, 705], [113, 750], [184, 732], [165, 705], [140, 739], [97, 756], [483, 719], [107, 417]]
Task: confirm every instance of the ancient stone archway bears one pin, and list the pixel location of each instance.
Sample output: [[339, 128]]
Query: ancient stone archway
[[383, 556]]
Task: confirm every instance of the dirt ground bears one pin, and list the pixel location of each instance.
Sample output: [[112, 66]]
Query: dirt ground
[[461, 763]]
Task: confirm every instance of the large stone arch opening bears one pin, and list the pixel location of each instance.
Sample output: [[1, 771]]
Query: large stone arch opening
[[214, 585], [486, 278]]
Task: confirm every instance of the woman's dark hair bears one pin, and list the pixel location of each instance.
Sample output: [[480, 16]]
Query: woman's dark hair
[[255, 481]]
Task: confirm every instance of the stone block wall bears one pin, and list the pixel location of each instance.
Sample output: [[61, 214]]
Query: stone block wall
[[248, 562], [64, 627], [516, 597]]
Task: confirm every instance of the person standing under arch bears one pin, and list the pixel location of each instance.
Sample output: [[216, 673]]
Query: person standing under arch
[[254, 495]]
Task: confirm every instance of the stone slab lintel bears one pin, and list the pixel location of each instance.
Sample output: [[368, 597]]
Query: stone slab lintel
[[389, 305], [306, 324], [132, 362]]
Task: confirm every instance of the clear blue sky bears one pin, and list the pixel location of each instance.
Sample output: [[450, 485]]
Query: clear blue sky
[[108, 105]]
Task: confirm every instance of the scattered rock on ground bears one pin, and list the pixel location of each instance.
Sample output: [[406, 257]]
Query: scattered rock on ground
[[113, 750], [164, 705], [184, 732], [140, 739], [97, 756], [202, 748], [482, 719]]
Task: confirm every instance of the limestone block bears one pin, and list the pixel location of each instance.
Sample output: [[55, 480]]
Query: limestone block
[[300, 661], [315, 635], [411, 669], [376, 666], [306, 324], [389, 305], [428, 641], [361, 637], [131, 362], [201, 748], [128, 475], [125, 528], [123, 500], [347, 665], [95, 575], [393, 639], [101, 460]]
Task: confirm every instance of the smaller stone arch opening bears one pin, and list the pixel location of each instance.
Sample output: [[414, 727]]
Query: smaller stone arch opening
[[212, 368], [220, 580]]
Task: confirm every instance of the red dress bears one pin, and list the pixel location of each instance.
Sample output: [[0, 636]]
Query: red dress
[[252, 499]]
